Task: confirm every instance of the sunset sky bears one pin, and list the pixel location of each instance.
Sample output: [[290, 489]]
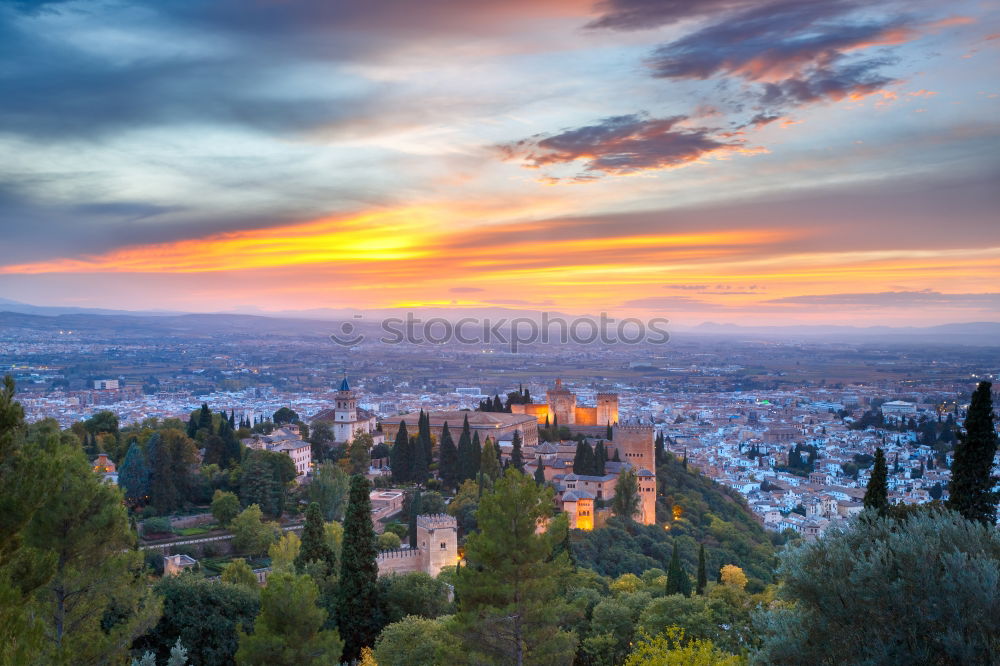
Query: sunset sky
[[745, 161]]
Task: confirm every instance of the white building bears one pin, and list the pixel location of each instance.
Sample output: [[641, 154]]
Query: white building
[[346, 418]]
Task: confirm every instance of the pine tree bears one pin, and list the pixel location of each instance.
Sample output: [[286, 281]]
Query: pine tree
[[659, 450], [133, 476], [877, 494], [400, 462], [516, 456], [314, 546], [359, 616], [702, 573], [448, 459], [677, 581], [600, 458], [971, 488], [510, 603]]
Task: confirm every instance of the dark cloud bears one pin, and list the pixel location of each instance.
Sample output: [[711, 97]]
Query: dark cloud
[[774, 39], [621, 144], [898, 299], [825, 84], [646, 14]]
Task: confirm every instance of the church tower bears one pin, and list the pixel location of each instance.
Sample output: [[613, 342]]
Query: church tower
[[345, 413]]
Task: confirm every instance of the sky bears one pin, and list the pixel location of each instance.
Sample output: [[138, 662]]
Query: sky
[[741, 161]]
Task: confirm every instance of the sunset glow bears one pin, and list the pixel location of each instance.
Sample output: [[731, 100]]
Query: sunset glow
[[765, 163]]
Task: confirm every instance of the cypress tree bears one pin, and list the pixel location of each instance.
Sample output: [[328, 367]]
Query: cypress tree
[[466, 466], [192, 427], [133, 476], [448, 459], [418, 469], [411, 529], [555, 428], [205, 419], [600, 457], [610, 434], [516, 456], [540, 472], [702, 573], [399, 456], [314, 547], [583, 461], [971, 486], [659, 451], [617, 458], [489, 467], [877, 493], [424, 435], [677, 581], [359, 616], [475, 455], [232, 419]]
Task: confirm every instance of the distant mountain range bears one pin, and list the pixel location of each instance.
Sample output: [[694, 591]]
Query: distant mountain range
[[318, 321]]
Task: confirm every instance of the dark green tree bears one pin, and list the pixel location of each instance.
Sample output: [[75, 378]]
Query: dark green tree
[[284, 415], [516, 455], [583, 461], [678, 581], [419, 467], [877, 494], [359, 615], [133, 476], [540, 472], [625, 503], [702, 573], [400, 460], [448, 459], [205, 615], [426, 442], [205, 419], [314, 547], [600, 457], [971, 490], [467, 467], [414, 511], [510, 604], [475, 455], [610, 433]]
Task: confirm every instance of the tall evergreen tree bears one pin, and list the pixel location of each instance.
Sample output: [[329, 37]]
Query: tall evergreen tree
[[205, 419], [600, 457], [677, 580], [510, 603], [475, 455], [448, 459], [133, 476], [411, 528], [540, 472], [489, 467], [659, 451], [400, 462], [424, 435], [516, 455], [702, 572], [418, 469], [971, 490], [192, 427], [877, 494], [466, 465], [583, 461], [315, 547], [625, 503], [359, 615], [610, 433]]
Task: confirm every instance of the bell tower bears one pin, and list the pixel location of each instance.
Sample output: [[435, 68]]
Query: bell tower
[[345, 412]]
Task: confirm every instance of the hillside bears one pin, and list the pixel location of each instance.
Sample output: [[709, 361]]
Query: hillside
[[697, 511]]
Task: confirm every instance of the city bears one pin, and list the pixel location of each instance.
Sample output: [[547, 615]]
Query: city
[[499, 333]]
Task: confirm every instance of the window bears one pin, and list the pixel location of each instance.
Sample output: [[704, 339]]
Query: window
[[444, 545]]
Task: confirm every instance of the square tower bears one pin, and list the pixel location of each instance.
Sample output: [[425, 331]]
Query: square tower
[[437, 539]]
